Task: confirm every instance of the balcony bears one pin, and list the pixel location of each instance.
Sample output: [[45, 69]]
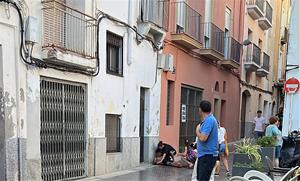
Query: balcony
[[154, 19], [253, 56], [255, 8], [266, 21], [187, 30], [232, 53], [156, 12], [264, 70], [69, 35], [214, 42], [68, 30]]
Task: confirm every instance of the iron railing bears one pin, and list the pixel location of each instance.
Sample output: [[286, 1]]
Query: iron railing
[[266, 62], [157, 12], [268, 12], [258, 3], [188, 21], [253, 54], [214, 37], [68, 29], [232, 49]]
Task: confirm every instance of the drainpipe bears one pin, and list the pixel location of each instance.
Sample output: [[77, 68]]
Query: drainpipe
[[130, 33]]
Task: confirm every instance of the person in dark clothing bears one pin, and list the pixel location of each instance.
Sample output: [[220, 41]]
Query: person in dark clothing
[[167, 152], [280, 117]]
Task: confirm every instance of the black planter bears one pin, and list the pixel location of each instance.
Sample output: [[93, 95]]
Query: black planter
[[267, 151], [241, 158], [240, 171]]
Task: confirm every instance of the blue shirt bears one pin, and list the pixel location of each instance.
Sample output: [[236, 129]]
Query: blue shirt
[[208, 127], [273, 131]]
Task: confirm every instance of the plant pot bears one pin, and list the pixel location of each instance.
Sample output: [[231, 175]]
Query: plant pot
[[241, 158], [240, 171], [267, 151]]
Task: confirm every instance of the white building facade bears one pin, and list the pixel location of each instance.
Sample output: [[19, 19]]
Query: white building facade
[[291, 113], [58, 118]]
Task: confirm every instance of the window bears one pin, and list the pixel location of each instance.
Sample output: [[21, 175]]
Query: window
[[114, 54], [228, 20], [224, 86], [217, 86], [112, 132], [170, 102]]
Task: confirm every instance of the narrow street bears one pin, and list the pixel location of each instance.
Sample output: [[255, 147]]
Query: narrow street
[[155, 173], [101, 89]]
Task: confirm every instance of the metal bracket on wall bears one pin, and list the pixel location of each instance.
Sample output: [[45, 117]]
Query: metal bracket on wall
[[293, 67]]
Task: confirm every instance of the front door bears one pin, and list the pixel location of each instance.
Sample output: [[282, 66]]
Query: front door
[[142, 123], [62, 140]]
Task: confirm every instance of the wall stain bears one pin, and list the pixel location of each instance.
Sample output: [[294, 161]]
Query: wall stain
[[7, 104], [134, 129], [22, 96], [149, 129]]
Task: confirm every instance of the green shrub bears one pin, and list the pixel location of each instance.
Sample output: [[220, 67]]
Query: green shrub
[[248, 147], [266, 141]]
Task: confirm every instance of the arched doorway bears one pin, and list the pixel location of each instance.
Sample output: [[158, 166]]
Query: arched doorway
[[245, 107]]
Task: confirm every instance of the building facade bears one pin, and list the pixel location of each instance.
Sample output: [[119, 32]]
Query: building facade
[[263, 56], [204, 39], [80, 92], [291, 102]]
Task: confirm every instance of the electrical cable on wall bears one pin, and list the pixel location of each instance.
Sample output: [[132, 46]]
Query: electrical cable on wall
[[26, 53]]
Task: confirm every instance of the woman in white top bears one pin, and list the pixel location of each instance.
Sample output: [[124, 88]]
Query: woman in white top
[[222, 139]]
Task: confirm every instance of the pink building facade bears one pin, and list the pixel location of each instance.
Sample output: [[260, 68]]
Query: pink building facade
[[204, 37]]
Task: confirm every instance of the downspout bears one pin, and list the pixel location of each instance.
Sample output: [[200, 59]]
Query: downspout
[[130, 33]]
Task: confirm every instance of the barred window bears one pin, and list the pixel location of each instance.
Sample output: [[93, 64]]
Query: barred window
[[114, 54], [113, 132]]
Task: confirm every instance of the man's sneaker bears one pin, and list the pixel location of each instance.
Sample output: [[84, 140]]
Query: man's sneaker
[[228, 174]]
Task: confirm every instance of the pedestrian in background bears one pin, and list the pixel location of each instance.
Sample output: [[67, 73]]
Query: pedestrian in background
[[259, 125], [273, 131], [223, 154], [207, 143], [280, 116]]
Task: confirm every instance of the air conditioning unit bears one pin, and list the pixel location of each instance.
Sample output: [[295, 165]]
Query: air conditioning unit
[[169, 64], [166, 62], [161, 61], [151, 31]]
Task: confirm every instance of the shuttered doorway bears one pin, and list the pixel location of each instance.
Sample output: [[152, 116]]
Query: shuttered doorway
[[63, 130]]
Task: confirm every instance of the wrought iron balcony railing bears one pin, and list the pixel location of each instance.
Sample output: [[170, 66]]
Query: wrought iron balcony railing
[[157, 12], [268, 12], [188, 21], [232, 49], [214, 37], [253, 54], [258, 3], [68, 29], [266, 62]]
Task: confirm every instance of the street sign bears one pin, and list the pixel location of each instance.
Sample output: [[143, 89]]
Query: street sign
[[291, 86]]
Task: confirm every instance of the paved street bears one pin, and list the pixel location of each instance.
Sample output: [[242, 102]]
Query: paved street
[[154, 173]]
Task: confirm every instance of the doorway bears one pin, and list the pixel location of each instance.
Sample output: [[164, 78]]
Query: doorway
[[244, 110], [142, 123]]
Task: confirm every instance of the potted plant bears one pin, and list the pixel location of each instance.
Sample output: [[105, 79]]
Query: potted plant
[[246, 157], [267, 144]]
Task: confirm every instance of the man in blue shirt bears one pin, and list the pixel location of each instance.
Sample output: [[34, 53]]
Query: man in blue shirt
[[207, 143]]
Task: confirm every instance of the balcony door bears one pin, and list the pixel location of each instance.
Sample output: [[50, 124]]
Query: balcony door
[[227, 33], [181, 16]]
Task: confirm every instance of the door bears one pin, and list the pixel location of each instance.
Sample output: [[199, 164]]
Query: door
[[190, 100], [243, 115], [142, 123], [62, 134]]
